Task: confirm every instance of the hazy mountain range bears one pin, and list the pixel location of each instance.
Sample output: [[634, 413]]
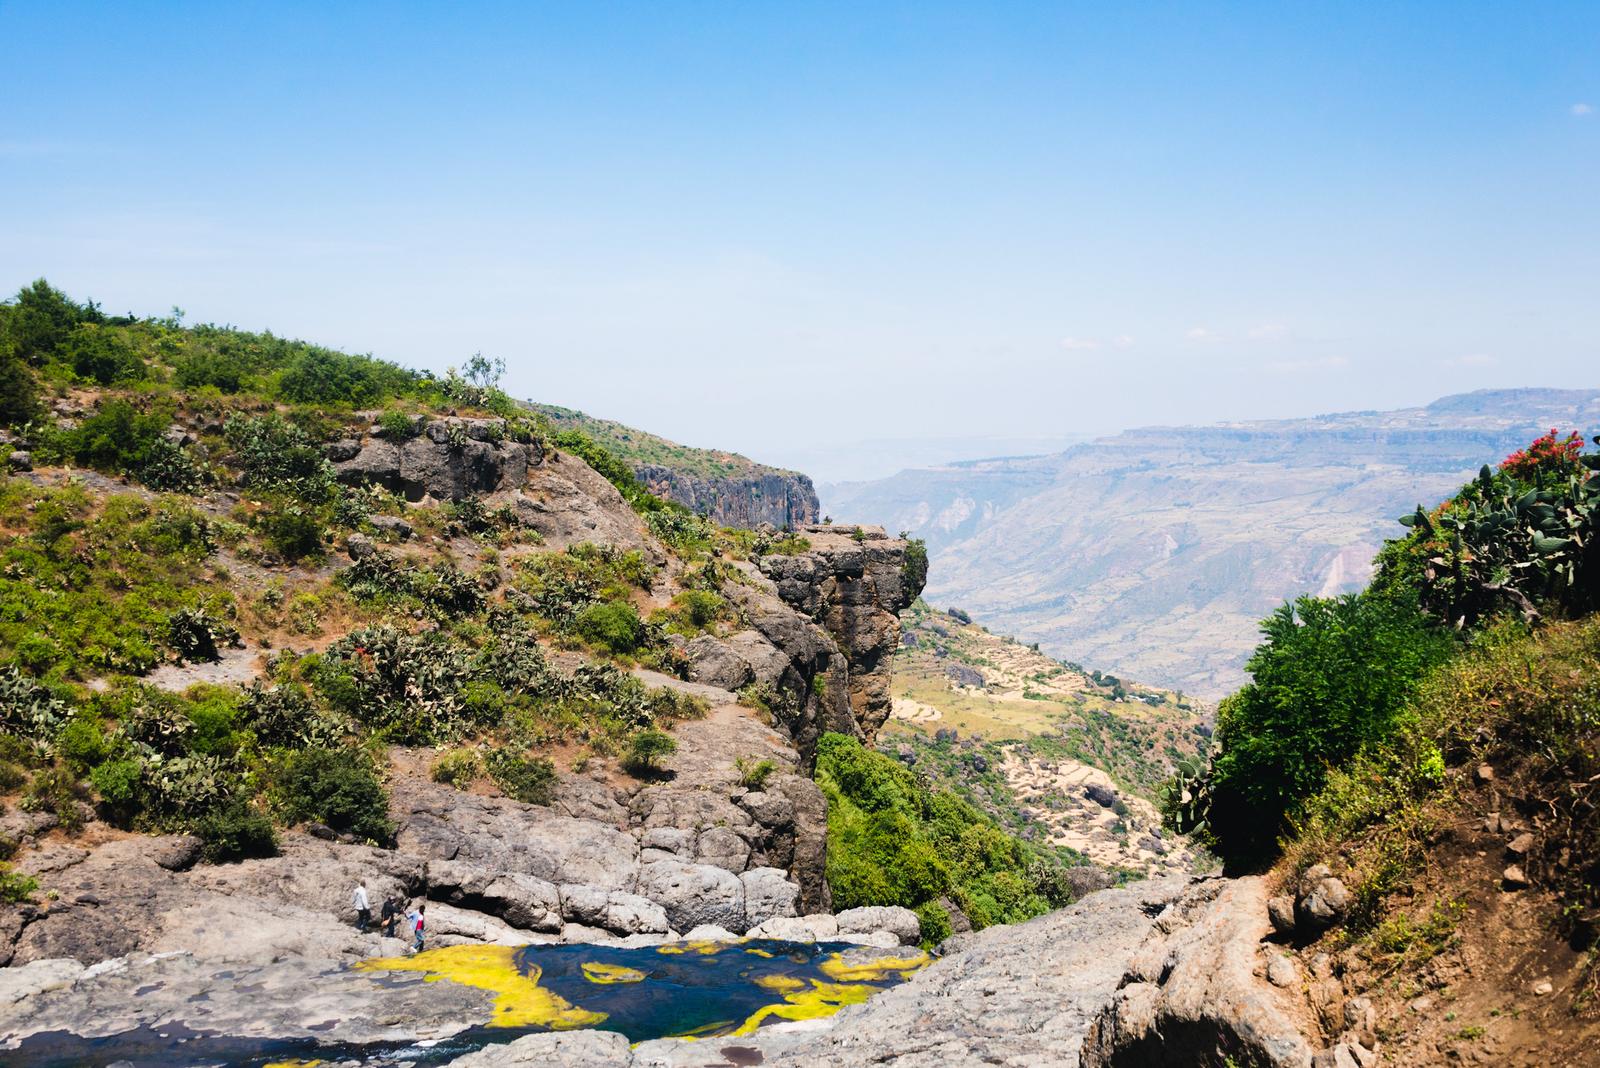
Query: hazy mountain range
[[1154, 552]]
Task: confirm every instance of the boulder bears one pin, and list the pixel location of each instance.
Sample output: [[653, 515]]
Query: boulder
[[694, 894], [1323, 900], [716, 664], [393, 526], [768, 893], [900, 922], [20, 460], [1280, 910], [1100, 794], [818, 928]]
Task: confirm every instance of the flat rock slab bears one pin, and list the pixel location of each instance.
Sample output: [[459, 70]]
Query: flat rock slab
[[1020, 996]]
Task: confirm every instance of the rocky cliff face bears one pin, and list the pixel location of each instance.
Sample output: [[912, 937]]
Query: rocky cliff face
[[855, 584], [783, 499], [823, 625]]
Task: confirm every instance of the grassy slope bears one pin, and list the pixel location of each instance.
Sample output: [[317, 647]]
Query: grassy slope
[[639, 447], [1043, 705]]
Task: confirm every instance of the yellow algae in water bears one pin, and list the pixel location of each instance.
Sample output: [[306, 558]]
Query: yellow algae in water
[[596, 972], [836, 967], [779, 984], [702, 946], [822, 999], [755, 952], [519, 999], [291, 1064]]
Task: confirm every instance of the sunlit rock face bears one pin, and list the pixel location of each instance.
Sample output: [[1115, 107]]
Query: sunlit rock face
[[494, 995]]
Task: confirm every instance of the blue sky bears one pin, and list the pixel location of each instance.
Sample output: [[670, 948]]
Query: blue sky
[[775, 227]]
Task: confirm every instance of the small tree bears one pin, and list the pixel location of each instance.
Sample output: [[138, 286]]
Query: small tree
[[646, 750]]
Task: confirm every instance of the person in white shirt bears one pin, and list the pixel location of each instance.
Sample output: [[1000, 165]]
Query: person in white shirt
[[363, 908]]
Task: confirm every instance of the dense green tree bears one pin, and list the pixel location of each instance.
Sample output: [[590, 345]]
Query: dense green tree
[[1330, 677]]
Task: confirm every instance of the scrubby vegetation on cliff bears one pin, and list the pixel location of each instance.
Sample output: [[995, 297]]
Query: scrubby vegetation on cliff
[[195, 509], [894, 841]]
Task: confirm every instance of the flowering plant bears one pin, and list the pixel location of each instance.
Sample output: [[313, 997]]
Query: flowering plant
[[1548, 453]]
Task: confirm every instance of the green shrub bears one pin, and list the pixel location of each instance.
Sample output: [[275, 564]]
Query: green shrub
[[11, 776], [29, 709], [322, 376], [338, 788], [1331, 677], [611, 625], [82, 744], [16, 889], [276, 455], [693, 611], [457, 768], [39, 319], [284, 715], [118, 783], [19, 394], [197, 634], [119, 438], [914, 572], [294, 533], [57, 791], [521, 778], [237, 831], [935, 923], [893, 841], [398, 426], [646, 750], [753, 774], [99, 354]]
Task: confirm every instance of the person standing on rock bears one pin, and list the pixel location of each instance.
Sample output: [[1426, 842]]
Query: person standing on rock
[[418, 919], [389, 916], [362, 906]]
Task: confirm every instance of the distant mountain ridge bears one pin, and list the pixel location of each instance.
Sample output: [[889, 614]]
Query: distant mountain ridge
[[728, 488], [1154, 552]]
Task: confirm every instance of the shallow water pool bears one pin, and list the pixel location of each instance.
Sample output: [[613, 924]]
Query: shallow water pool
[[682, 989]]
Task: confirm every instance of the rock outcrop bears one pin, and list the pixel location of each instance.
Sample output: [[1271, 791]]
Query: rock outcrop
[[447, 459], [1192, 992], [855, 583], [783, 499]]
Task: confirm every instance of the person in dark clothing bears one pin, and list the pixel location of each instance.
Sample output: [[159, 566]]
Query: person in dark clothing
[[389, 916]]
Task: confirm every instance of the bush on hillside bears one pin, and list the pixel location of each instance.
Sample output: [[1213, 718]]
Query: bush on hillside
[[531, 780], [38, 319], [1331, 677], [338, 788], [892, 841], [323, 376], [611, 625], [19, 395], [120, 439], [100, 355], [237, 831], [646, 750], [275, 454]]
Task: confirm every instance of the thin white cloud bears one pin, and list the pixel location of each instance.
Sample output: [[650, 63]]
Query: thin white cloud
[[1267, 332], [1310, 364], [1079, 344], [1471, 359], [1122, 341], [1581, 110], [1202, 333]]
